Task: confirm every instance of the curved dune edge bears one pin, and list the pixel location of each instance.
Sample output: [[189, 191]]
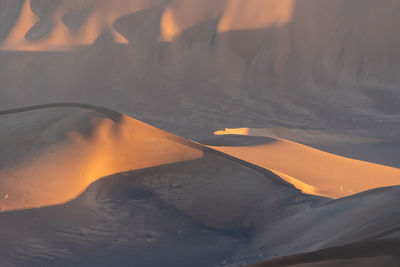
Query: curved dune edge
[[313, 171], [59, 172], [120, 204], [62, 171], [119, 143], [305, 188]]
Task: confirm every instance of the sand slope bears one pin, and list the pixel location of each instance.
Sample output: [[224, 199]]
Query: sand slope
[[314, 171], [375, 253], [39, 146], [203, 208]]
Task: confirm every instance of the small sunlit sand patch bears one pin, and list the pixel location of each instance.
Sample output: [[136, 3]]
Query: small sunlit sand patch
[[237, 131], [261, 14], [169, 28], [297, 135], [310, 170]]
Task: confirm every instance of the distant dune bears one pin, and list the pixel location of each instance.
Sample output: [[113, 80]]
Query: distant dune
[[46, 26]]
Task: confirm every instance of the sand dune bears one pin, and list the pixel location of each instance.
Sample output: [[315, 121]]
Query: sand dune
[[66, 148], [66, 24], [94, 147], [83, 185], [167, 196], [314, 171]]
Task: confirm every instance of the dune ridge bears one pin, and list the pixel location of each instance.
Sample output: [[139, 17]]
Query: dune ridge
[[311, 170], [176, 198], [110, 147], [102, 142]]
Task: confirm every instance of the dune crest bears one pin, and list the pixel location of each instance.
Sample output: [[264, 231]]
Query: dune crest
[[111, 148]]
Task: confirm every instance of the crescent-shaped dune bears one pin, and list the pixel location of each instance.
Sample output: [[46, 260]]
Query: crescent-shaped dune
[[314, 171]]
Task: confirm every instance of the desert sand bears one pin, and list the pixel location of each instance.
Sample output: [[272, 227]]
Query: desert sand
[[147, 192], [308, 175], [375, 253], [313, 171]]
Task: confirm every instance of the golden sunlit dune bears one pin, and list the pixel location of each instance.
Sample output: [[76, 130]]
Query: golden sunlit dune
[[311, 170], [61, 171]]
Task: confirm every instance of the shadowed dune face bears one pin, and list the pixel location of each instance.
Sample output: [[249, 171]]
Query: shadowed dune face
[[61, 162], [369, 253]]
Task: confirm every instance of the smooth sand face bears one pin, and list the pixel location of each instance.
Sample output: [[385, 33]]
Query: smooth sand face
[[205, 201], [313, 171], [63, 170]]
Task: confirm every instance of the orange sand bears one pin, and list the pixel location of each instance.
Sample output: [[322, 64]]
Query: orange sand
[[63, 171], [314, 171]]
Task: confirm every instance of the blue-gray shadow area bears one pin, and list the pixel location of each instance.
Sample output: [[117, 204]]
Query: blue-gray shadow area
[[137, 219], [237, 140], [193, 213]]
